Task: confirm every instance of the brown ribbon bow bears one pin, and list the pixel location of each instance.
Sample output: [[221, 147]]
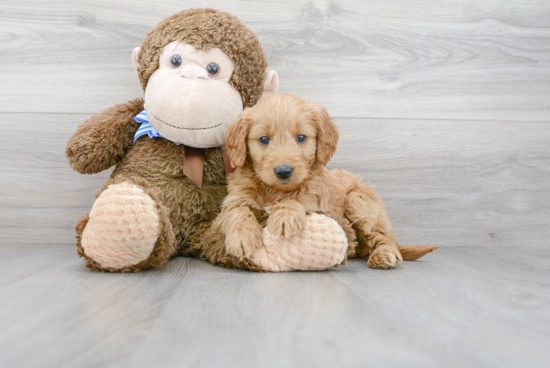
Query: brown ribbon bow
[[193, 164]]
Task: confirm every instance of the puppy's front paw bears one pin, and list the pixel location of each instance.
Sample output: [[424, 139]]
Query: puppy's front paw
[[286, 219], [243, 240], [385, 257]]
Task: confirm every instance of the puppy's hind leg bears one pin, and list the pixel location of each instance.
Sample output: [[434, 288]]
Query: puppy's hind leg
[[366, 212]]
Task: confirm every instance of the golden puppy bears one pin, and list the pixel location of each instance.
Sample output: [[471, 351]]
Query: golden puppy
[[279, 149]]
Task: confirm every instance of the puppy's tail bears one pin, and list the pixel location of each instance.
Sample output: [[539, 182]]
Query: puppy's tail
[[414, 252]]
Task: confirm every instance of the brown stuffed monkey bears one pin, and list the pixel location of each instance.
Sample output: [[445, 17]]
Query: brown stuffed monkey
[[198, 68]]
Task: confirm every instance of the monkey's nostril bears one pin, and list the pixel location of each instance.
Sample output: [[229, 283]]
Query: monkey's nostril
[[283, 171]]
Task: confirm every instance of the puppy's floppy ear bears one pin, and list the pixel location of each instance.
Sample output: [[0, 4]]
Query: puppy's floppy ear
[[235, 139], [327, 135]]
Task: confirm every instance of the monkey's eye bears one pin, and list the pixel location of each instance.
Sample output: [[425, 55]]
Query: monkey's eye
[[301, 138], [264, 140], [175, 61], [213, 69]]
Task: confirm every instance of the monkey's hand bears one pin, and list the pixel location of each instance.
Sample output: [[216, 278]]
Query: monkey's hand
[[287, 218], [243, 233], [102, 140]]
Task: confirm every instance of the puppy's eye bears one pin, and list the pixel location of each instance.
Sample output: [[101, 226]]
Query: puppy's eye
[[213, 69], [301, 138], [175, 61], [264, 140]]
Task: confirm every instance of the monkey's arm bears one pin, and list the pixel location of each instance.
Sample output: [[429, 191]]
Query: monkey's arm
[[101, 141]]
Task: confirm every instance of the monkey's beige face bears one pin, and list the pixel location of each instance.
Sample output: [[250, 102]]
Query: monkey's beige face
[[188, 99], [282, 143]]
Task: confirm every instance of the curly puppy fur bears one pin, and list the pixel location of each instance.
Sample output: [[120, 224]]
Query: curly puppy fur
[[106, 139], [258, 197]]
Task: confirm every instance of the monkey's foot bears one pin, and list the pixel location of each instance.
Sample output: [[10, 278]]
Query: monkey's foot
[[320, 245], [127, 230]]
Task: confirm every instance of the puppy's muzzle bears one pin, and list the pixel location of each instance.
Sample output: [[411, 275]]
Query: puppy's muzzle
[[284, 172]]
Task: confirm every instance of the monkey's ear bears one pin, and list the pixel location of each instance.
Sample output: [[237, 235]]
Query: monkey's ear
[[235, 140], [135, 56], [271, 84], [327, 135]]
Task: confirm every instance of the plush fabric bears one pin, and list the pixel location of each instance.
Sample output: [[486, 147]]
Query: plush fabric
[[192, 57], [102, 140], [320, 245], [206, 29], [123, 227], [185, 104], [164, 247]]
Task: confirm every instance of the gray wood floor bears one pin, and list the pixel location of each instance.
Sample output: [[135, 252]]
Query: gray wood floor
[[459, 307], [445, 106]]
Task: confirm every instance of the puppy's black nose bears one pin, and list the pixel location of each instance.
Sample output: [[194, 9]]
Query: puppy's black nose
[[283, 171]]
